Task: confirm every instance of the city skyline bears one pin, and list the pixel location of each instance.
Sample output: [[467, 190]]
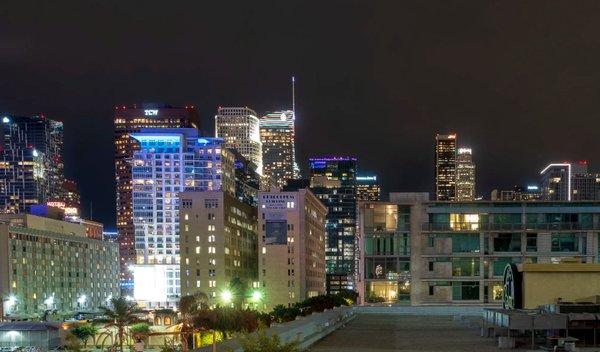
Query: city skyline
[[406, 86]]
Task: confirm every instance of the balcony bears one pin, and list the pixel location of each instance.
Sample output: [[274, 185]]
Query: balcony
[[477, 227]]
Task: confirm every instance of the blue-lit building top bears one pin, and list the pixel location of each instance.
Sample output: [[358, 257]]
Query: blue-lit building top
[[333, 181]]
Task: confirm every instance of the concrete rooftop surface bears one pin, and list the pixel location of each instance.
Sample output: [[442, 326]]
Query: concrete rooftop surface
[[395, 332]]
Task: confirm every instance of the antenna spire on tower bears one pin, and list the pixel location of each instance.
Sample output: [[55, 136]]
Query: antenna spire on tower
[[294, 95]]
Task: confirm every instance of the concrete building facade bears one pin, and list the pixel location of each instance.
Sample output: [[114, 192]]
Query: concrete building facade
[[218, 243], [291, 247], [458, 250], [52, 264]]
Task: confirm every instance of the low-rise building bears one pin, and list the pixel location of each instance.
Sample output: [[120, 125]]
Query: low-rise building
[[291, 247], [459, 250], [48, 264]]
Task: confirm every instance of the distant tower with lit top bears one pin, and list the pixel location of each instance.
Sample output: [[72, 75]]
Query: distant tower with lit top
[[465, 175], [240, 130], [445, 167]]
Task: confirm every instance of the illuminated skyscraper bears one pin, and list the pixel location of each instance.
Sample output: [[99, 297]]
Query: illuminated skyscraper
[[169, 161], [239, 128], [465, 175], [130, 120], [367, 188], [445, 166], [278, 145], [569, 181], [333, 181], [32, 169]]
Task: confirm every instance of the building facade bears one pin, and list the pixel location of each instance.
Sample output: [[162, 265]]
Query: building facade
[[240, 129], [465, 175], [51, 264], [333, 181], [130, 120], [291, 248], [32, 167], [219, 243], [277, 134], [169, 161], [445, 166], [384, 234], [459, 249], [367, 188]]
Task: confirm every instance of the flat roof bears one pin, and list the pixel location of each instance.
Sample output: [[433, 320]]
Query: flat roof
[[561, 267]]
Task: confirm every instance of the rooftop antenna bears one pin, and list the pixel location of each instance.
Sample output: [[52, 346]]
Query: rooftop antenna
[[294, 95]]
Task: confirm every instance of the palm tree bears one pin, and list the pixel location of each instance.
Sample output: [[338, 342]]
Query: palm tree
[[121, 313], [188, 308]]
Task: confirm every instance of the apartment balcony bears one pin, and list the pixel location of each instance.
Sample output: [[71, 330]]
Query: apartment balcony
[[481, 227]]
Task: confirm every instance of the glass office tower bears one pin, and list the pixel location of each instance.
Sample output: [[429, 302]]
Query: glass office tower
[[333, 181]]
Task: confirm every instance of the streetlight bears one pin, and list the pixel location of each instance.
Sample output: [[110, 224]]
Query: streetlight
[[8, 303], [256, 296], [81, 300], [49, 302], [226, 296]]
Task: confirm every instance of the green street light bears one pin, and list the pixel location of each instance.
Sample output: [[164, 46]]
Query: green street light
[[256, 296], [226, 296]]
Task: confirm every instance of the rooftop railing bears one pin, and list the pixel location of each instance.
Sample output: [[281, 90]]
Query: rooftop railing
[[473, 226]]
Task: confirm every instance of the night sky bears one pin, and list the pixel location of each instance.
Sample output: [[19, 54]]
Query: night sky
[[519, 83]]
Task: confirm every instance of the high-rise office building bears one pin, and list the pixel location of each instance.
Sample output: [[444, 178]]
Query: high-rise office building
[[240, 129], [247, 180], [48, 264], [130, 120], [291, 247], [277, 135], [465, 175], [32, 168], [445, 166], [169, 161], [218, 243], [367, 188], [569, 181], [333, 181]]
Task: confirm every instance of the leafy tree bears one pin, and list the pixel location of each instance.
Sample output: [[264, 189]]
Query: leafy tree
[[121, 312], [188, 307], [260, 342], [84, 332]]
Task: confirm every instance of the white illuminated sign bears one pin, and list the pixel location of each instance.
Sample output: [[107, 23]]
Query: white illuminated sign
[[150, 283], [151, 112]]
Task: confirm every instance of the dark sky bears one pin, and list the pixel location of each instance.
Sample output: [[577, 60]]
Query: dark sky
[[518, 81]]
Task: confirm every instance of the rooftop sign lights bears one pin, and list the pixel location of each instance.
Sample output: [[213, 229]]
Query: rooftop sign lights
[[151, 112], [366, 178]]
